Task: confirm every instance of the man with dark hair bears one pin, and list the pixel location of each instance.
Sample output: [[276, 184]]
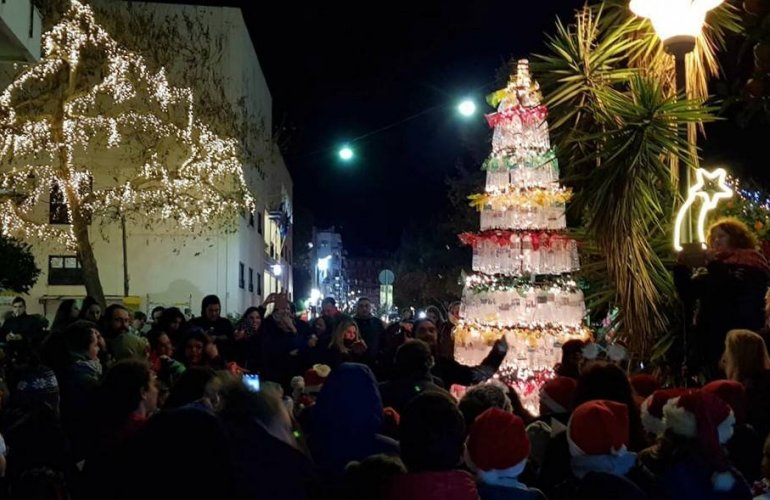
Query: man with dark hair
[[452, 372], [370, 327], [121, 344], [156, 313], [331, 314], [413, 364], [432, 439], [20, 324], [211, 321]]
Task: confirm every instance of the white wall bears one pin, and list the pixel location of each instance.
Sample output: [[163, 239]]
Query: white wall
[[167, 267]]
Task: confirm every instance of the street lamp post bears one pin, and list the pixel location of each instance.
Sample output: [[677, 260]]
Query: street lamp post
[[678, 24]]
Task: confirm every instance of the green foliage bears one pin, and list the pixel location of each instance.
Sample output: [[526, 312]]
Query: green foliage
[[18, 271], [616, 128]]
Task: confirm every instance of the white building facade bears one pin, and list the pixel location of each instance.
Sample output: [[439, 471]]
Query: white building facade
[[328, 258], [168, 267]]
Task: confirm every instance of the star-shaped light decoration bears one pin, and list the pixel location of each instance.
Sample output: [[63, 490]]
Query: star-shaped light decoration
[[711, 188]]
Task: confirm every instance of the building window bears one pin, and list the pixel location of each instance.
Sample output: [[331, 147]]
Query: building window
[[64, 270], [251, 219], [251, 279], [259, 222], [259, 284], [241, 281], [57, 206], [57, 209]]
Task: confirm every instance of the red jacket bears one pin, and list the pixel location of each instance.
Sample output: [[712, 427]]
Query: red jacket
[[445, 485]]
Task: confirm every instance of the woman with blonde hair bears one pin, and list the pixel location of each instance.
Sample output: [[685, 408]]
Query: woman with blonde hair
[[728, 295], [346, 344], [746, 360]]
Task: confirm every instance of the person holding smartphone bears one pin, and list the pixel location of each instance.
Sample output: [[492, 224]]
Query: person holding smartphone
[[347, 345]]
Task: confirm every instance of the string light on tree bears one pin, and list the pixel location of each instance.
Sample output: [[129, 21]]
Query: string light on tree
[[709, 200], [92, 123], [521, 288]]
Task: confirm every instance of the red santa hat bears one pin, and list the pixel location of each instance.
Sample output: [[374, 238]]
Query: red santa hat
[[598, 427], [652, 409], [498, 442], [731, 392], [557, 394], [316, 376], [704, 417]]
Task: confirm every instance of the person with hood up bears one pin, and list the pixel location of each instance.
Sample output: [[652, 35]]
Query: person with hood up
[[346, 421]]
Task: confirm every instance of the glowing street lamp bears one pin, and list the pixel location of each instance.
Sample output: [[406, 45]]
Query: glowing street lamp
[[678, 23], [277, 269], [346, 153], [675, 21], [467, 108], [315, 295], [323, 263]]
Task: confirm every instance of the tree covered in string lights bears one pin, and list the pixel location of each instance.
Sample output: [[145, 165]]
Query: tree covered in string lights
[[91, 132]]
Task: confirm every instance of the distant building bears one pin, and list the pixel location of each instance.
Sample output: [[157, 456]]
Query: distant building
[[20, 29], [329, 265], [363, 277]]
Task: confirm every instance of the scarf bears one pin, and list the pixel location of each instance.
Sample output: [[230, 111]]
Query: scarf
[[618, 464], [746, 257], [508, 478]]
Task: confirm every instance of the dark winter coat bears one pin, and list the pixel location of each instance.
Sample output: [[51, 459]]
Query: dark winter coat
[[397, 393], [281, 352], [265, 467], [492, 492], [371, 329], [685, 476], [729, 295], [595, 485], [758, 404]]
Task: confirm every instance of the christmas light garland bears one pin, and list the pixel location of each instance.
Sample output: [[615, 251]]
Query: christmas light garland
[[527, 116], [504, 237], [483, 283], [180, 170], [532, 160], [537, 196]]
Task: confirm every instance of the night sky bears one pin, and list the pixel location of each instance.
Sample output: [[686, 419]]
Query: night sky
[[337, 72]]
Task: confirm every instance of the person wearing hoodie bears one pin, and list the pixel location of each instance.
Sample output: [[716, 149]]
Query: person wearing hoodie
[[432, 435], [497, 449], [451, 371], [346, 421]]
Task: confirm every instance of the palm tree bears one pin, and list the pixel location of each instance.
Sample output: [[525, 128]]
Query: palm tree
[[615, 119]]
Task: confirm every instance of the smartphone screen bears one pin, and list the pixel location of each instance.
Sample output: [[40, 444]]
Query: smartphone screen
[[252, 382]]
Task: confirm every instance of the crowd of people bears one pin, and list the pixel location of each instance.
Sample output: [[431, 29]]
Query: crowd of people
[[113, 404]]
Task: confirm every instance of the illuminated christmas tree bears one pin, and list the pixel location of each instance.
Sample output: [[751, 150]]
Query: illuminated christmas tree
[[91, 133], [522, 259]]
